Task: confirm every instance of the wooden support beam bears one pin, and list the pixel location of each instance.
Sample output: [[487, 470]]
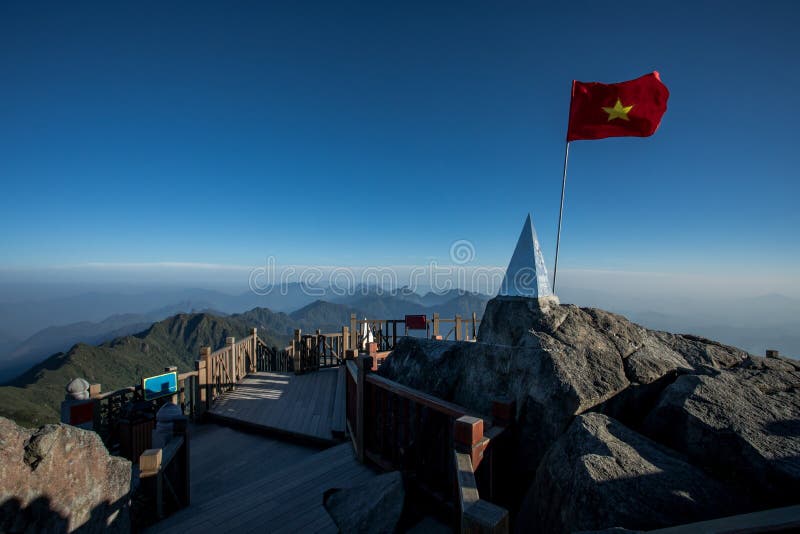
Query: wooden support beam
[[255, 351], [353, 331], [230, 342], [205, 378], [364, 366], [458, 329], [296, 349]]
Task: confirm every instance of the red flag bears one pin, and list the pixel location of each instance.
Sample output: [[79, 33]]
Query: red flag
[[632, 108]]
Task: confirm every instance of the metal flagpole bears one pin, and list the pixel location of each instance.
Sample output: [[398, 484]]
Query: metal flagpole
[[560, 214]]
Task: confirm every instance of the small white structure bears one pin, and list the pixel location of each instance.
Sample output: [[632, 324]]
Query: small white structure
[[366, 334], [526, 275]]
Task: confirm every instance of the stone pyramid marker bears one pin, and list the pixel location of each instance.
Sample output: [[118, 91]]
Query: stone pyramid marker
[[526, 275]]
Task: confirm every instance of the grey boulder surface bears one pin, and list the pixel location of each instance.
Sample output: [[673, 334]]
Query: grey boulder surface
[[712, 414], [375, 506], [741, 424], [601, 474], [556, 361]]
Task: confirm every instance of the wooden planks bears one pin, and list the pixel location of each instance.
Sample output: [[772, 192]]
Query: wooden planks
[[286, 500], [295, 405], [339, 413]]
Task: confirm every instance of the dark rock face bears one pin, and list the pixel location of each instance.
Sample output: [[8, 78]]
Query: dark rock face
[[556, 361], [600, 474], [742, 424], [719, 419], [60, 478], [374, 506]]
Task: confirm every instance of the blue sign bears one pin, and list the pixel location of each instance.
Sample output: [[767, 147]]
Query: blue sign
[[160, 385]]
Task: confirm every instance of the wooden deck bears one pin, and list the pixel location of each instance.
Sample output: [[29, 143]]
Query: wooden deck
[[299, 406], [223, 459], [287, 500]]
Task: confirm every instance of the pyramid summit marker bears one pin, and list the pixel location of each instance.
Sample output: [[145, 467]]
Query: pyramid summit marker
[[526, 275]]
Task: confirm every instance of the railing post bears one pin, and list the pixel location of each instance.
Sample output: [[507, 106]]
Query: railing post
[[474, 326], [173, 369], [364, 366], [468, 438], [255, 351], [435, 325], [457, 328], [353, 331], [231, 356], [315, 349], [345, 339], [296, 350], [205, 377], [200, 391]]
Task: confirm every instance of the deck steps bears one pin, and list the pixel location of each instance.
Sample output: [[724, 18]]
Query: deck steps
[[290, 499]]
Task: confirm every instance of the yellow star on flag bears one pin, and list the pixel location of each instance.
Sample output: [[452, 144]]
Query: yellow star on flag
[[618, 111]]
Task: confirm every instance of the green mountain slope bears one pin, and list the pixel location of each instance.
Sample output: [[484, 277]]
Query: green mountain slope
[[34, 398]]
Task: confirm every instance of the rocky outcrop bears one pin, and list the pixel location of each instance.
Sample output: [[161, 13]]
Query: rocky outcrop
[[679, 417], [60, 478], [742, 424], [600, 474], [375, 506], [556, 361]]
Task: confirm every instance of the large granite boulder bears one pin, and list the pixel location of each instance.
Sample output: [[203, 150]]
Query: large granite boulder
[[600, 475], [375, 506], [556, 361], [60, 478], [742, 424]]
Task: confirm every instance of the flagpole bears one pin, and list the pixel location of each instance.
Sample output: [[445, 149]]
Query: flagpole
[[560, 213]]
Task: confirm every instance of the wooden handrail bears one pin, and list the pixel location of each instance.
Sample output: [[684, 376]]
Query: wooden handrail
[[448, 408], [476, 514], [117, 392], [352, 368]]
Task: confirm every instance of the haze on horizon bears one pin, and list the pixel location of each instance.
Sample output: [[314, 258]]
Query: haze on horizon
[[151, 145]]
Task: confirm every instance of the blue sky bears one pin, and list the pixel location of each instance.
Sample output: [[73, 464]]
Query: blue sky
[[367, 133]]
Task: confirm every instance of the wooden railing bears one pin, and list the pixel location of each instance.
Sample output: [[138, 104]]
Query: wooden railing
[[386, 332], [164, 472], [399, 428], [124, 419], [273, 359], [311, 352], [228, 365]]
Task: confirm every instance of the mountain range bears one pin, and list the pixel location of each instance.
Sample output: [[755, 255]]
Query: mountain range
[[33, 398], [16, 355]]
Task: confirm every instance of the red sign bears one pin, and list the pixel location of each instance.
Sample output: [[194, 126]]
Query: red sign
[[81, 413], [416, 322]]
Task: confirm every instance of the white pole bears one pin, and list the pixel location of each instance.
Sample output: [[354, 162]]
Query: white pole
[[560, 214]]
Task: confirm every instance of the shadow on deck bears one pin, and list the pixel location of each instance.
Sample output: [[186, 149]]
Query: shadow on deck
[[251, 482], [301, 407], [286, 496]]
